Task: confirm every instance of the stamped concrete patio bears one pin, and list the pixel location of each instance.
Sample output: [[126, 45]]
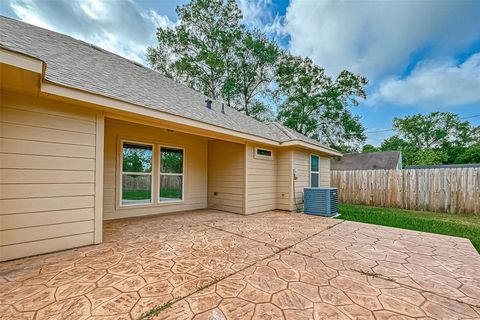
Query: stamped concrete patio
[[215, 265]]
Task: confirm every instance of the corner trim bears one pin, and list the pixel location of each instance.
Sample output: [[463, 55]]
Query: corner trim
[[99, 165]]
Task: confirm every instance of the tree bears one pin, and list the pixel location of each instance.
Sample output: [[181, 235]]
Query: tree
[[368, 148], [317, 106], [201, 48], [435, 130], [470, 155], [251, 73], [436, 138]]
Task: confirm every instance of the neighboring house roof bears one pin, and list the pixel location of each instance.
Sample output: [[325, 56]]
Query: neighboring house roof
[[74, 63], [368, 161], [446, 166]]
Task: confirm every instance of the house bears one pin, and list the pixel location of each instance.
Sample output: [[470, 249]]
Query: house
[[386, 160], [87, 135]]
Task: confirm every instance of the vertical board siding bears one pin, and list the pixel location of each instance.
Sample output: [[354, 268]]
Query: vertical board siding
[[226, 176], [454, 190], [47, 170], [261, 181], [195, 164]]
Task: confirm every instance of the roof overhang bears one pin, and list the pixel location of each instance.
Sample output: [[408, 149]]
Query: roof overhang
[[53, 90]]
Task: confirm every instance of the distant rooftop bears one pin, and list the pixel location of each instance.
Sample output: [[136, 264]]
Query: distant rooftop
[[448, 166], [369, 161]]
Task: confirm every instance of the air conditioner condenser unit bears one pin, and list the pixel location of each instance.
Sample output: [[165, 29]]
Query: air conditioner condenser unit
[[321, 201]]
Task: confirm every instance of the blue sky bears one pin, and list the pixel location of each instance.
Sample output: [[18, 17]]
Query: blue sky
[[419, 56]]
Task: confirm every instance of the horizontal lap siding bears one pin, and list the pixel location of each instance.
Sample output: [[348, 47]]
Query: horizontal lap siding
[[261, 181], [226, 181], [301, 162], [284, 180], [195, 190], [47, 176], [325, 172]]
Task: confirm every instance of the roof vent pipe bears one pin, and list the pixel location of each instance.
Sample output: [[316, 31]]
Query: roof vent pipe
[[223, 107], [209, 103]]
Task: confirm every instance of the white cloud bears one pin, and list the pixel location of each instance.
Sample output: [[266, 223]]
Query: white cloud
[[259, 14], [121, 27], [434, 84], [254, 12], [377, 38], [26, 13]]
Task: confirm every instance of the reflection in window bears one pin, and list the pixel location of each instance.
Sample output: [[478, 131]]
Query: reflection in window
[[136, 173], [171, 174], [314, 171], [264, 153]]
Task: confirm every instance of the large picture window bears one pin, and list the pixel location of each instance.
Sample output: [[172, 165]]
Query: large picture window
[[314, 171], [136, 173], [171, 174]]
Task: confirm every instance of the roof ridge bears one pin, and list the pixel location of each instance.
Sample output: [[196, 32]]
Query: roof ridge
[[284, 130], [74, 62]]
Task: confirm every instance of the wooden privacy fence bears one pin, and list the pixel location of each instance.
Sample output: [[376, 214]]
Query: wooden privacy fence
[[455, 190]]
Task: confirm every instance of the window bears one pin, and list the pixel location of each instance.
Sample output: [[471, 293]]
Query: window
[[314, 171], [171, 174], [263, 153], [136, 184]]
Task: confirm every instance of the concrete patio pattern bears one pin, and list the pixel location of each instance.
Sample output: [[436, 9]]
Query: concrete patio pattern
[[214, 265]]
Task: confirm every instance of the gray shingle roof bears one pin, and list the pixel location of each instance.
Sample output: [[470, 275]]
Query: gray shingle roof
[[368, 161], [77, 64]]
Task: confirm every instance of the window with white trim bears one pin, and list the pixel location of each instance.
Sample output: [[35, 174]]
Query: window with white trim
[[171, 174], [314, 171], [136, 174]]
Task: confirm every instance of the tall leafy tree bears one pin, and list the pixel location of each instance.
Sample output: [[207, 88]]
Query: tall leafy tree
[[318, 106], [252, 72], [435, 138], [200, 49]]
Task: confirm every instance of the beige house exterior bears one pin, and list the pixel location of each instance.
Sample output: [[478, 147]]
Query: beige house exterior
[[65, 127]]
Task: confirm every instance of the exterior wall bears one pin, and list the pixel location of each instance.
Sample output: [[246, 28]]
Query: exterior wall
[[226, 178], [325, 172], [47, 176], [301, 162], [195, 175], [261, 181], [284, 180], [270, 182]]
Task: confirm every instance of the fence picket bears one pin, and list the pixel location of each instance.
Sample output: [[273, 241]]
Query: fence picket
[[455, 190]]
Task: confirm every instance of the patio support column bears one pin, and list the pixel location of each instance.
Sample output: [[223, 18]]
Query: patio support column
[[99, 151]]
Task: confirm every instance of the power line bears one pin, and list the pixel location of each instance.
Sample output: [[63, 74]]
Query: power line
[[477, 115], [392, 129], [382, 130]]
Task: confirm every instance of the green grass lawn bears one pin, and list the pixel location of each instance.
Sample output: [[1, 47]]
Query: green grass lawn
[[459, 225]]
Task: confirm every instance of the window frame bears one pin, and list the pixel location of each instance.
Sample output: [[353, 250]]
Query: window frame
[[262, 157], [121, 173], [159, 174], [311, 171]]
